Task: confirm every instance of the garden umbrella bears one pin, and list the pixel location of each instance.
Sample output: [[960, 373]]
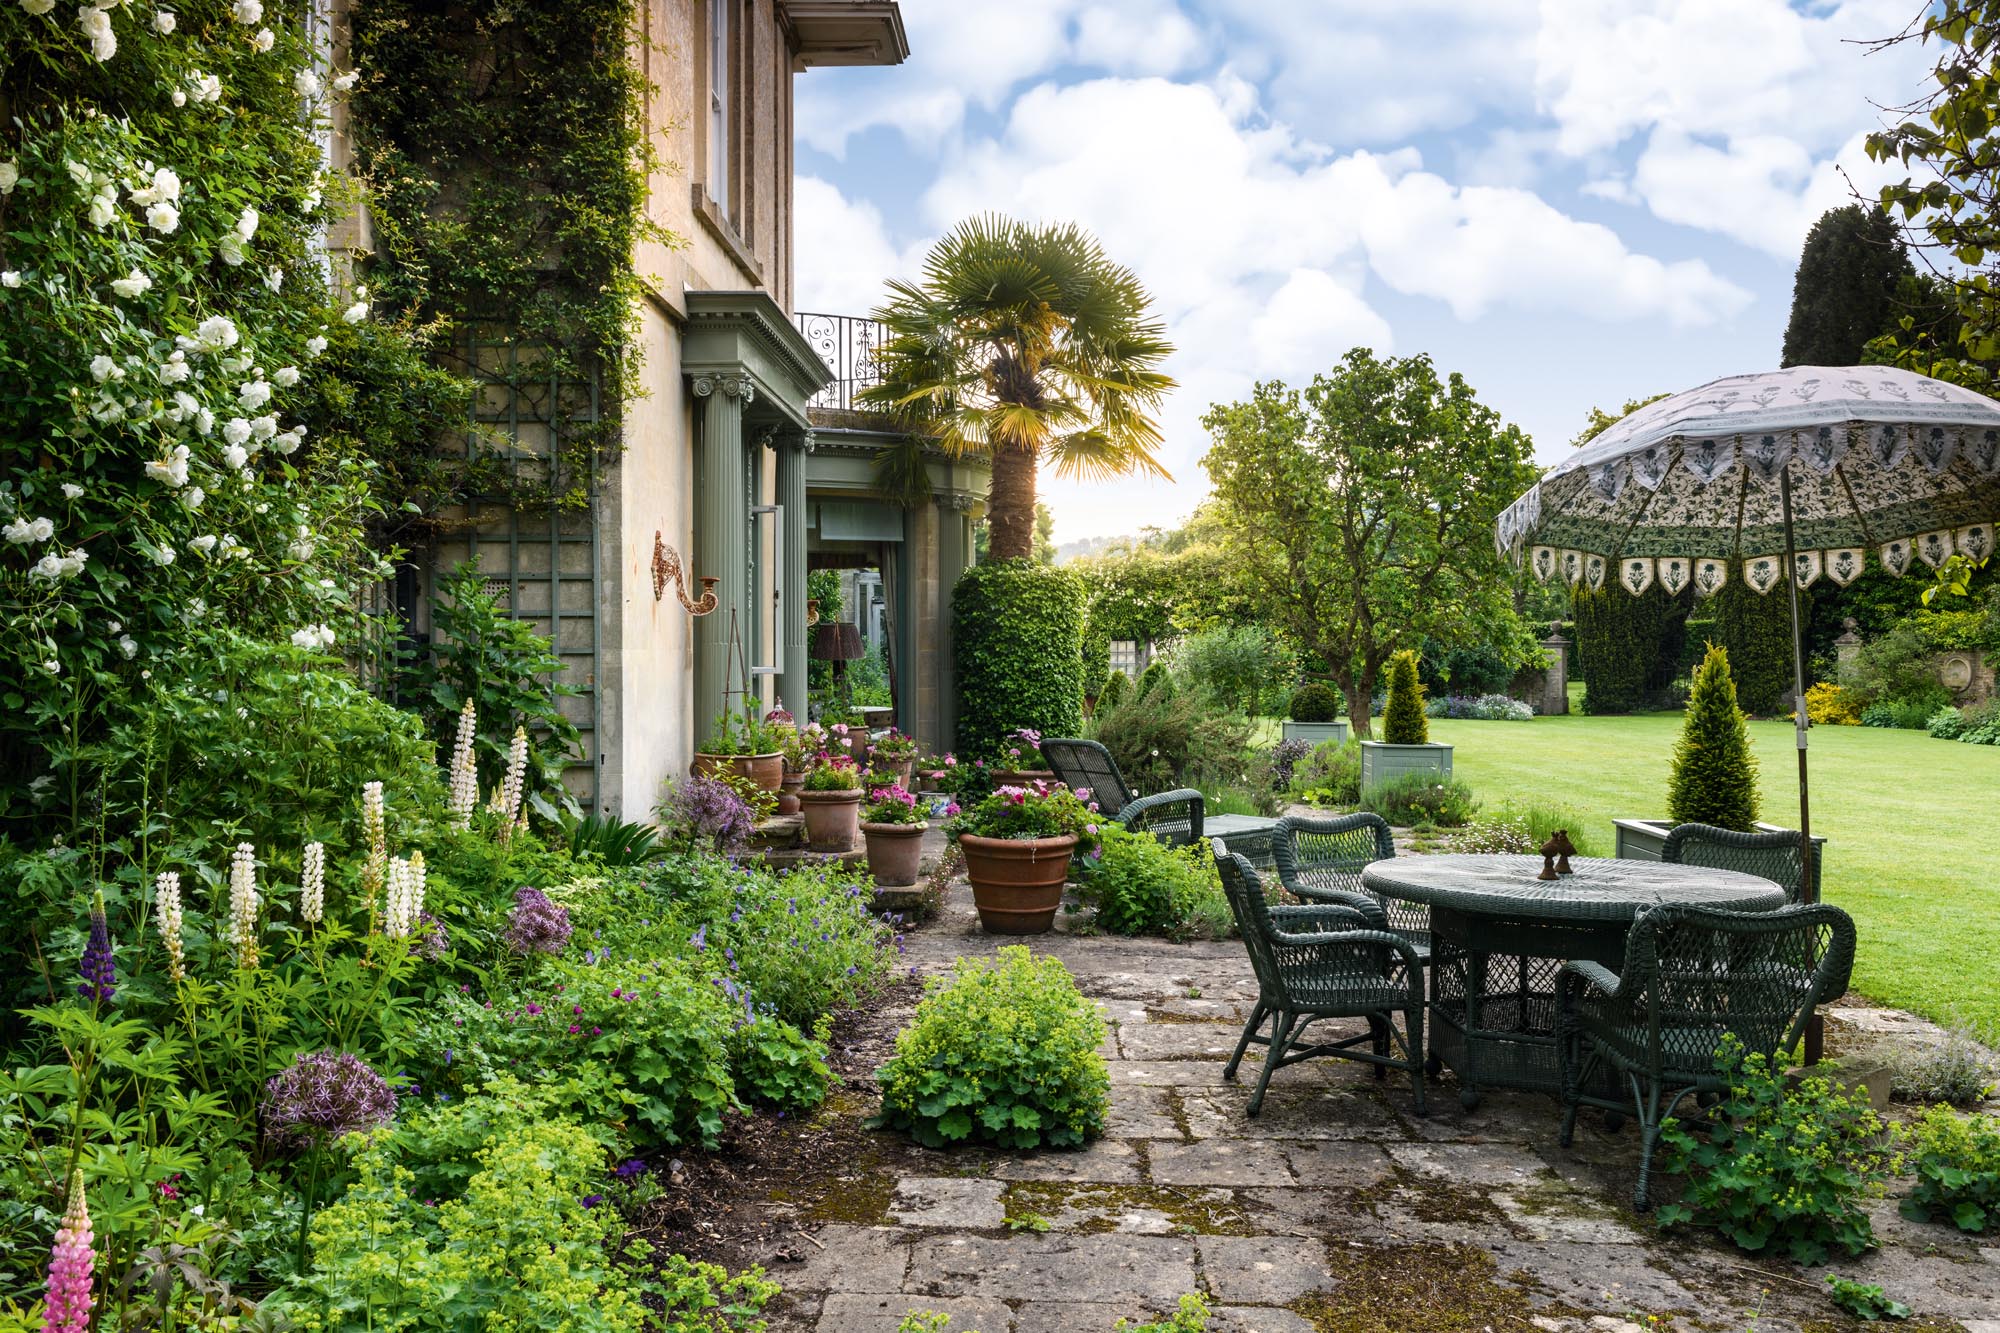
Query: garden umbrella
[[1807, 469]]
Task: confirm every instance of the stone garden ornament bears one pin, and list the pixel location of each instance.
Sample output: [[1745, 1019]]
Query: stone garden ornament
[[1808, 469]]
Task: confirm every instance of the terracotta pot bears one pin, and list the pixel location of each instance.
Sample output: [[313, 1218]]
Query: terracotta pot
[[1022, 777], [903, 772], [788, 793], [1017, 883], [833, 819], [766, 770], [894, 851]]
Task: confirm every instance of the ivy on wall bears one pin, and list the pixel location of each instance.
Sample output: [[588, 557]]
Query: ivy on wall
[[1017, 643], [505, 149]]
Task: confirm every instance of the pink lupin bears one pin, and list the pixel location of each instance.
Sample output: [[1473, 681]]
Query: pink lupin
[[71, 1264]]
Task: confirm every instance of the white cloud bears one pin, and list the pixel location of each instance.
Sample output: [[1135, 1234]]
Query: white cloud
[[1763, 190], [842, 252]]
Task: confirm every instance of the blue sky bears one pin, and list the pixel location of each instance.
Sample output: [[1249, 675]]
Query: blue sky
[[1570, 202]]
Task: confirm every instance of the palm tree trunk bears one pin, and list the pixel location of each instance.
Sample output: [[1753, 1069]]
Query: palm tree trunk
[[1010, 505]]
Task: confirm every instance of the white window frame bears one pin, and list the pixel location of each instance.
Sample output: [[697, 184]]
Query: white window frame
[[718, 104]]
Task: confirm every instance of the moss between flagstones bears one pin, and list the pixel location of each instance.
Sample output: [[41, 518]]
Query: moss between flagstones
[[1396, 1288], [1103, 1205]]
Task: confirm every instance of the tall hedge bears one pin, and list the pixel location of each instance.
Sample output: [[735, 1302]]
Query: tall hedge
[[1096, 655], [1757, 631], [1017, 652], [1627, 648]]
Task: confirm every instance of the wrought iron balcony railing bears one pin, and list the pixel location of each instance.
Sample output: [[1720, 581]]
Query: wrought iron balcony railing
[[847, 344]]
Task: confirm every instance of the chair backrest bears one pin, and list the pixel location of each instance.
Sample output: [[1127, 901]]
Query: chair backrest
[[1316, 853], [1247, 904], [1086, 764], [1773, 856], [1757, 975]]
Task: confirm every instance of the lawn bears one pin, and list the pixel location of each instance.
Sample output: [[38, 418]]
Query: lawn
[[1913, 851]]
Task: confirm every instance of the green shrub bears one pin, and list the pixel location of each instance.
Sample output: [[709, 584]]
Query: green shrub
[[1314, 702], [775, 1064], [1908, 713], [1154, 681], [1001, 1051], [1756, 631], [1235, 668], [1958, 1071], [1628, 649], [1981, 723], [1714, 778], [1096, 650], [1139, 886], [1783, 1170], [1945, 724], [1403, 719], [1116, 686], [1017, 635], [1163, 740], [1333, 768], [1422, 798], [1957, 1161]]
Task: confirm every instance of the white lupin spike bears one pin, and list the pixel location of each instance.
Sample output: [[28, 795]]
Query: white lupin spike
[[312, 883], [243, 904], [464, 770], [167, 917]]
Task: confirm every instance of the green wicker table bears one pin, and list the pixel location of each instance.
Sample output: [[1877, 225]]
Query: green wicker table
[[1249, 836], [1499, 935]]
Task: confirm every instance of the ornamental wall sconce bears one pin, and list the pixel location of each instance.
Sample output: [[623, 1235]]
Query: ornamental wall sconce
[[667, 566], [812, 612]]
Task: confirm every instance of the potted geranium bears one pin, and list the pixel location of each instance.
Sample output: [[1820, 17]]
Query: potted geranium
[[892, 824], [802, 748], [1315, 715], [894, 755], [1019, 762], [1017, 845], [1406, 745], [747, 746], [831, 799]]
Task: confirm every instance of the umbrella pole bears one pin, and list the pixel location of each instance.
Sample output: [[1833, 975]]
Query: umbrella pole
[[1815, 1030]]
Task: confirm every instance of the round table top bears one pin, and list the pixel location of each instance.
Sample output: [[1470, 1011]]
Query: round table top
[[1601, 890]]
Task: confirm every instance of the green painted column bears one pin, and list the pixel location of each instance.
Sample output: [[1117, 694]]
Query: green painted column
[[721, 537], [792, 577], [954, 554]]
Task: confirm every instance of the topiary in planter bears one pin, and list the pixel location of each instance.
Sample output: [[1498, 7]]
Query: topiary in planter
[[1403, 720], [1017, 648], [1314, 702], [1714, 777]]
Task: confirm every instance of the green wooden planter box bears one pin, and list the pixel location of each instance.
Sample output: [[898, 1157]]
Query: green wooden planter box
[[1644, 839], [1382, 762], [1316, 733]]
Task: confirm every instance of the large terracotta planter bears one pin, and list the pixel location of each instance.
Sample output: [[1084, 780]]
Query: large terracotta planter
[[766, 770], [789, 787], [903, 772], [1017, 884], [1023, 777], [833, 819], [894, 851]]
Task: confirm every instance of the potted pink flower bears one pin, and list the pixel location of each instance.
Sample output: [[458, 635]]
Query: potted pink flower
[[802, 749], [1017, 845], [892, 824], [831, 800], [894, 755], [1019, 762]]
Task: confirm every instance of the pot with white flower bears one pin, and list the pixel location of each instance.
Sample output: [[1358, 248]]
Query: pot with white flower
[[892, 824], [745, 745], [1017, 845], [831, 801]]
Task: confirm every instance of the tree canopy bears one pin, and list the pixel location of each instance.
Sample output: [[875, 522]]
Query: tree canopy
[[1851, 275], [1362, 510]]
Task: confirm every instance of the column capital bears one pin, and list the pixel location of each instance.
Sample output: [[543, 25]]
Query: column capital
[[730, 385]]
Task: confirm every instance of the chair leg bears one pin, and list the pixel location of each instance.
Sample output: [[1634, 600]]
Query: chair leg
[[1378, 1027], [1257, 1017], [1574, 1073], [1281, 1036], [1413, 1024], [1649, 1135]]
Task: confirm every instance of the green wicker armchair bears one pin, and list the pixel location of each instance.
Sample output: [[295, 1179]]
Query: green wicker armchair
[[1772, 856], [1174, 817], [1323, 960], [1691, 977], [1320, 860]]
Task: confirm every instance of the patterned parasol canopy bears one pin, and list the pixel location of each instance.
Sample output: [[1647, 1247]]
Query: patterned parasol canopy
[[1879, 459]]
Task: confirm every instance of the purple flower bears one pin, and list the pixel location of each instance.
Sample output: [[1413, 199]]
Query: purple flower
[[536, 925], [323, 1095], [630, 1168], [99, 967], [592, 1200], [433, 940], [703, 811]]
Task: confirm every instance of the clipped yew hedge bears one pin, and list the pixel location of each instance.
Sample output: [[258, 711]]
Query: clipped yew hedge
[[1017, 652]]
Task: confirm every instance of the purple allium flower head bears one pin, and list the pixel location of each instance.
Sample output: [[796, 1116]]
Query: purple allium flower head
[[702, 810], [323, 1095], [99, 967], [536, 925], [432, 939]]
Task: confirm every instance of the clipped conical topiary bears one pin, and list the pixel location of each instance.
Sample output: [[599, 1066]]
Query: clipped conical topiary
[[1715, 776], [1154, 681], [1403, 720], [1116, 686]]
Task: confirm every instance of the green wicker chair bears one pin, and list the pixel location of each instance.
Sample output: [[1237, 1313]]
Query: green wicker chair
[[1691, 977], [1174, 817], [1323, 960], [1320, 860], [1772, 856]]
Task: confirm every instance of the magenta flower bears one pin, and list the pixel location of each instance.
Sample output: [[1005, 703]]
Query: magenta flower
[[71, 1263]]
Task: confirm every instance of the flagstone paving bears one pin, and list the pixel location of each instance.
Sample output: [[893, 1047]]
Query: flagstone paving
[[1337, 1209]]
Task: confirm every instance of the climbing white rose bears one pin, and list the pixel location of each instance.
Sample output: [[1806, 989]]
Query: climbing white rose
[[103, 208], [10, 278], [72, 491], [216, 332], [171, 470], [253, 394], [103, 368], [192, 497], [236, 431], [246, 223], [345, 82], [247, 12], [305, 83], [163, 22], [230, 247], [96, 25], [355, 313], [314, 345], [263, 41], [132, 284], [274, 278], [207, 87], [163, 217], [264, 427], [38, 7], [285, 376], [163, 555], [236, 457], [10, 176], [174, 370], [204, 543]]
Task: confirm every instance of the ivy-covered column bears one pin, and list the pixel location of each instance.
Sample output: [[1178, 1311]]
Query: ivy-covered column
[[721, 536], [792, 577]]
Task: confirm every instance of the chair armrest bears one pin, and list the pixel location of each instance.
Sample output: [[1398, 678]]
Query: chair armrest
[[1285, 940], [1367, 904], [1137, 809], [1312, 918], [1594, 975]]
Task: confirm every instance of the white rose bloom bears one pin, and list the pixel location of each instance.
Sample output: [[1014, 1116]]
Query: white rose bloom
[[204, 543], [12, 278], [246, 223], [163, 22], [187, 402], [236, 365], [274, 278], [38, 7], [288, 442], [230, 247], [253, 394], [96, 25], [207, 87], [204, 421], [247, 11], [192, 497], [313, 637], [263, 41], [174, 370], [345, 82], [305, 83], [173, 469], [311, 200], [264, 427], [355, 313], [236, 457], [77, 172], [10, 176], [285, 376], [166, 184], [163, 217], [103, 368], [72, 491], [72, 564], [177, 97], [132, 284], [163, 555], [49, 568], [216, 332], [42, 529], [103, 208], [21, 531], [236, 430], [129, 646], [314, 345]]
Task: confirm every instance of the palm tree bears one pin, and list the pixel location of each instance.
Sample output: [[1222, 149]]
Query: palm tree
[[1022, 343]]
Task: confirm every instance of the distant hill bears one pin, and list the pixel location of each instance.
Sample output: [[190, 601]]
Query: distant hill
[[1082, 546]]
